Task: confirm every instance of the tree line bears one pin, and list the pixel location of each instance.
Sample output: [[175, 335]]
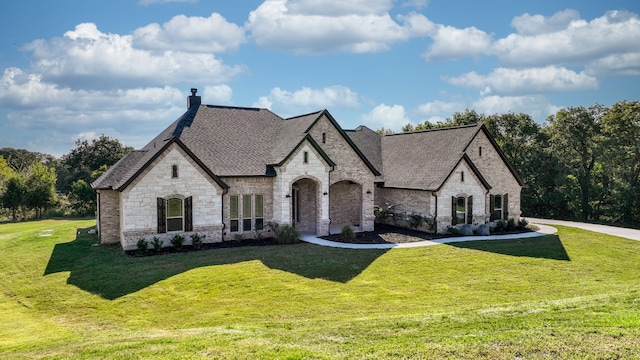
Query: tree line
[[582, 163], [37, 185]]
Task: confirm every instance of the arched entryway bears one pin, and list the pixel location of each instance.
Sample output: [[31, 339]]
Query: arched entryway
[[304, 205], [345, 204]]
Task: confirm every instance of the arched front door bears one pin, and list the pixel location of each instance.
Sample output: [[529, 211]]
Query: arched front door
[[345, 203], [304, 205]]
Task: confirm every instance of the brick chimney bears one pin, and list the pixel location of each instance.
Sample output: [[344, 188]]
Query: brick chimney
[[193, 100]]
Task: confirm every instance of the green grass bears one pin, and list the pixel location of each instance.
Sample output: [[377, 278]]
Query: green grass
[[572, 295]]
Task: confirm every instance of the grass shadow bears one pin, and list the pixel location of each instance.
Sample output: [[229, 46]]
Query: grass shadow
[[105, 271], [544, 247]]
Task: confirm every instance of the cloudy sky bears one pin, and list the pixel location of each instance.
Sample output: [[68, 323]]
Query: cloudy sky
[[75, 69]]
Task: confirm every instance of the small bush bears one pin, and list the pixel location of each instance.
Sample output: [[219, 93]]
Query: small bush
[[452, 230], [287, 234], [197, 240], [511, 224], [383, 213], [522, 223], [500, 225], [157, 243], [347, 233], [177, 241], [238, 237], [142, 245]]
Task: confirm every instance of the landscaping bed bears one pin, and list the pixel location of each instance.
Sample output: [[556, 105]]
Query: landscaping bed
[[390, 234]]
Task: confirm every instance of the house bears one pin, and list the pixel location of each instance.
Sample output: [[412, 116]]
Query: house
[[226, 172]]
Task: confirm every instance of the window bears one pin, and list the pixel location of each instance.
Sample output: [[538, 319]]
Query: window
[[480, 151], [324, 138], [246, 213], [461, 210], [259, 211], [234, 212], [305, 158], [498, 205], [462, 176], [175, 215], [174, 171]]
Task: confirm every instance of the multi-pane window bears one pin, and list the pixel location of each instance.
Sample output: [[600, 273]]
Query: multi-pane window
[[497, 207], [250, 211], [461, 210], [175, 215], [246, 213], [234, 213]]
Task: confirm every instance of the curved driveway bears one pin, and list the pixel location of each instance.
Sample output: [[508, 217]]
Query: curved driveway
[[544, 230]]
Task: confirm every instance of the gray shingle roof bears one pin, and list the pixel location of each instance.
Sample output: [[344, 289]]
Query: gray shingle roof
[[424, 159], [370, 143]]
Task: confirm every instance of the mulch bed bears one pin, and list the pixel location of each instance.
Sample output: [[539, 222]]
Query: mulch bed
[[389, 234], [205, 246]]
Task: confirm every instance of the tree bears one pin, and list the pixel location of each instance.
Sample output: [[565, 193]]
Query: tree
[[621, 130], [40, 183], [21, 159], [83, 198], [6, 172], [576, 137], [88, 157], [13, 197]]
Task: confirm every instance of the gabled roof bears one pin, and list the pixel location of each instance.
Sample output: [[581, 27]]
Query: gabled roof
[[226, 141], [370, 143], [424, 159]]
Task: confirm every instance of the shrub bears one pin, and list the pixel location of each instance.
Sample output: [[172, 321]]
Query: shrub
[[500, 225], [511, 224], [197, 240], [157, 243], [238, 237], [287, 234], [522, 223], [177, 241], [452, 230], [383, 213], [347, 233], [142, 245]]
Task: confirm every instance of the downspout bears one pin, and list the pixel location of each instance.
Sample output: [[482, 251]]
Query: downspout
[[224, 225], [99, 226], [435, 216]]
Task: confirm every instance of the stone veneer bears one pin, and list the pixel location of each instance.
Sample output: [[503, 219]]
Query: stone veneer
[[496, 172], [138, 206], [108, 216], [248, 186]]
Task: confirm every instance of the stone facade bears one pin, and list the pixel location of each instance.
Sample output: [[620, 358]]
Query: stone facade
[[349, 167], [496, 172], [457, 187], [138, 202], [241, 186]]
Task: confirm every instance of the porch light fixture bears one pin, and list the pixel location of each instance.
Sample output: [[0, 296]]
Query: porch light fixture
[[287, 196], [369, 192], [325, 193]]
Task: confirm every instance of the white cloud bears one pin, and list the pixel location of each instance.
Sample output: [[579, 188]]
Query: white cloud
[[452, 43], [578, 42], [537, 24], [616, 65], [306, 27], [217, 94], [537, 106], [192, 34], [89, 58], [308, 99], [389, 117], [526, 81], [439, 108]]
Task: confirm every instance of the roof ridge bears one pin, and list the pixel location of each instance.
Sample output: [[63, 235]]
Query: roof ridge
[[436, 129], [303, 115]]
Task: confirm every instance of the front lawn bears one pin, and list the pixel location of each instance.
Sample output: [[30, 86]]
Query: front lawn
[[571, 295]]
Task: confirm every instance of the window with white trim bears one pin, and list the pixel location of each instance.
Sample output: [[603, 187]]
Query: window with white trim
[[461, 210], [497, 206]]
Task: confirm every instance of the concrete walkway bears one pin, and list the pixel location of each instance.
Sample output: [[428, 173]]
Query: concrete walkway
[[544, 230], [604, 229]]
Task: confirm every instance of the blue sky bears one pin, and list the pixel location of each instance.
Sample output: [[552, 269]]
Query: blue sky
[[77, 69]]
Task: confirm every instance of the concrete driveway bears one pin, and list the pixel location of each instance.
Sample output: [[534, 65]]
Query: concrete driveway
[[604, 229]]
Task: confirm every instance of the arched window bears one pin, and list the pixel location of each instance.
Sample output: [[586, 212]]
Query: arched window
[[175, 215]]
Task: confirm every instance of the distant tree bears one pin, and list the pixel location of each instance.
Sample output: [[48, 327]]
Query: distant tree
[[21, 159], [82, 197], [383, 131], [6, 172], [576, 137], [14, 195], [40, 181], [88, 157]]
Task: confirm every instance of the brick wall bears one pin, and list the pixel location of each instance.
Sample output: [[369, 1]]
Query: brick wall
[[109, 216], [248, 186]]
